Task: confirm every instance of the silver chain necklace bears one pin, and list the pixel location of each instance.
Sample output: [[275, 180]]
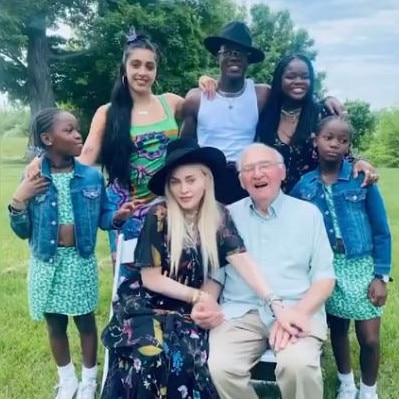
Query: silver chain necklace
[[230, 97]]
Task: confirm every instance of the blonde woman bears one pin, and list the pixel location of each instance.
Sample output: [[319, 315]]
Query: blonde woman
[[158, 350]]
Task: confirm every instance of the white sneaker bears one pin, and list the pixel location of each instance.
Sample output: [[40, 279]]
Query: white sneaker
[[67, 389], [347, 391], [87, 390]]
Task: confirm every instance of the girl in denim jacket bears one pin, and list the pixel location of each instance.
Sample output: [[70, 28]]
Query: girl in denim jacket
[[59, 211], [358, 230]]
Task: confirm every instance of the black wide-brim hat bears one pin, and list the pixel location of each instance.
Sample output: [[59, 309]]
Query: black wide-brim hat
[[235, 33], [185, 152]]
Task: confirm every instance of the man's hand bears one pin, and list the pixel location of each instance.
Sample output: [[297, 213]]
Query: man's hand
[[279, 338], [207, 313], [377, 292], [292, 320]]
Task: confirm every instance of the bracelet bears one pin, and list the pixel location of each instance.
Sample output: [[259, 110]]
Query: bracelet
[[271, 299], [196, 297], [17, 200]]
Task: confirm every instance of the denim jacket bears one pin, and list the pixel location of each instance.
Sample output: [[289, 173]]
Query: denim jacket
[[91, 210], [360, 212]]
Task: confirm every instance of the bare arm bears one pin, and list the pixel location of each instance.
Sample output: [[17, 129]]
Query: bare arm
[[190, 110], [251, 273], [154, 280], [262, 95], [315, 297], [213, 288], [92, 146], [175, 103]]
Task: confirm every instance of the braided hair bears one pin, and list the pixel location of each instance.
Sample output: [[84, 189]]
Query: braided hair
[[43, 122], [325, 121], [269, 118], [117, 146]]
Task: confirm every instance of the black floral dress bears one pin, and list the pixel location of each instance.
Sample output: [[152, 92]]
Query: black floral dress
[[158, 352]]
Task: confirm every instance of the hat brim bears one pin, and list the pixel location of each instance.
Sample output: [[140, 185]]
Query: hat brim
[[213, 43], [211, 157]]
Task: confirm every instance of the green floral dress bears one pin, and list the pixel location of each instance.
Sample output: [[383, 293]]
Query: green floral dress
[[349, 299], [68, 285]]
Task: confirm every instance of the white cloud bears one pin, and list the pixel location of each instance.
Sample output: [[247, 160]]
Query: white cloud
[[357, 43]]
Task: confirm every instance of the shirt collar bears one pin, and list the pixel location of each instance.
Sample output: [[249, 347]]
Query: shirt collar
[[274, 207], [344, 174]]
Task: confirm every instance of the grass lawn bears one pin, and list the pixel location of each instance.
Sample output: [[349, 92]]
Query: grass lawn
[[26, 367]]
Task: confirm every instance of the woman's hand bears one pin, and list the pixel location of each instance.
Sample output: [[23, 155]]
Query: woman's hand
[[370, 174], [208, 85], [334, 106], [207, 313], [124, 212]]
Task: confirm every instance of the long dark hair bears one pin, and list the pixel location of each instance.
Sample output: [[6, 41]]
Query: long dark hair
[[117, 146], [269, 118]]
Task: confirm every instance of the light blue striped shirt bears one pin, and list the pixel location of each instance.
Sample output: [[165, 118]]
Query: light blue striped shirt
[[291, 247]]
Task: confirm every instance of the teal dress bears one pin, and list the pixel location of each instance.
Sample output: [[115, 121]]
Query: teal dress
[[349, 299], [69, 285]]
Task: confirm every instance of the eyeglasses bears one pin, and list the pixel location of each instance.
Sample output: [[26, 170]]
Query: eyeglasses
[[262, 166], [233, 53]]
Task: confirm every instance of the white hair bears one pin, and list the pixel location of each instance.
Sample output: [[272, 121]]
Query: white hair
[[244, 152]]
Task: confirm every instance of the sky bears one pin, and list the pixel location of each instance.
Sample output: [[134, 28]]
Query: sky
[[357, 43]]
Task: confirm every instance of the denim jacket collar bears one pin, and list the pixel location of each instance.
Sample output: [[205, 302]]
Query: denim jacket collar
[[46, 168], [344, 173]]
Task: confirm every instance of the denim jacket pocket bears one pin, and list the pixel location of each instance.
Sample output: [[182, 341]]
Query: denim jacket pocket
[[354, 196], [39, 199], [91, 193], [307, 195]]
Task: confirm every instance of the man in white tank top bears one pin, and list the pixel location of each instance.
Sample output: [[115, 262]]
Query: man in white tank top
[[228, 121]]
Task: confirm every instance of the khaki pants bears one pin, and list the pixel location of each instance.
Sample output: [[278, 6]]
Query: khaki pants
[[237, 345]]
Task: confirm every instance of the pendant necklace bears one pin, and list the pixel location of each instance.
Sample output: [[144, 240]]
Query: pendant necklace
[[230, 97]]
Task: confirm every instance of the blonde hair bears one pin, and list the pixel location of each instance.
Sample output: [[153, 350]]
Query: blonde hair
[[208, 223]]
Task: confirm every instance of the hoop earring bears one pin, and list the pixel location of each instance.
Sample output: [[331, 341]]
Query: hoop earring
[[124, 80]]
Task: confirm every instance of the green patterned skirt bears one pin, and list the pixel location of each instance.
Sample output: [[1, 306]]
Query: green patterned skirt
[[67, 286], [349, 299]]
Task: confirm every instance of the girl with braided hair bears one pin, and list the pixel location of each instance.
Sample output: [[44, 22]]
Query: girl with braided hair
[[59, 211]]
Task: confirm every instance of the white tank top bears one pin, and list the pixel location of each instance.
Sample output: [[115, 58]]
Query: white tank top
[[228, 124]]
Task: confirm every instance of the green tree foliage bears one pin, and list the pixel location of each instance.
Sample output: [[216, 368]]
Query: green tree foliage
[[384, 143], [276, 35], [178, 29], [363, 122], [26, 50], [81, 72]]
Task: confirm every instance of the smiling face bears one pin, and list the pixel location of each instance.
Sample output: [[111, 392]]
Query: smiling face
[[261, 174], [295, 81], [140, 69], [63, 138], [187, 184], [333, 140], [233, 61]]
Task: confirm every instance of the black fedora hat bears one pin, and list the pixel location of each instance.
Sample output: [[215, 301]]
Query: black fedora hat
[[237, 33], [184, 152]]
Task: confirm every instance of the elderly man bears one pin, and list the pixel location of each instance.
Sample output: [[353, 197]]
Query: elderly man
[[287, 238]]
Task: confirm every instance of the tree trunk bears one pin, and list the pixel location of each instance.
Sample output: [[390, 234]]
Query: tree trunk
[[40, 89]]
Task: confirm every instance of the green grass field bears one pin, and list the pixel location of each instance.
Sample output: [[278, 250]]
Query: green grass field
[[26, 367]]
